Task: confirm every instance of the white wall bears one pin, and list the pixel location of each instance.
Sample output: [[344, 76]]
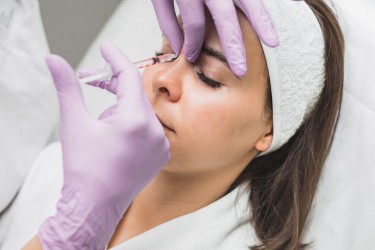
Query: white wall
[[134, 28], [71, 25]]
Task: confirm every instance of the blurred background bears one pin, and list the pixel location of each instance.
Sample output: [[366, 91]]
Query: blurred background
[[76, 29], [71, 26]]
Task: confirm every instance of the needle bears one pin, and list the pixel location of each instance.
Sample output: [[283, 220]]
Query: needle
[[106, 74]]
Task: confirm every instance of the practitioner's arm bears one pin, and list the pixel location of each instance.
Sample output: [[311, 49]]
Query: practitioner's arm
[[102, 165]]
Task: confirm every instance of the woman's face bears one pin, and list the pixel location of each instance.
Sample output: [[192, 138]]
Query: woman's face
[[217, 121]]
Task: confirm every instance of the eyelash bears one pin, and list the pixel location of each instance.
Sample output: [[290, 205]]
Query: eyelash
[[212, 83], [202, 76]]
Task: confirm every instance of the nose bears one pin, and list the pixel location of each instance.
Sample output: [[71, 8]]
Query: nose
[[168, 80]]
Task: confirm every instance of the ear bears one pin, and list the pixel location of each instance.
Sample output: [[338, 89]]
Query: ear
[[265, 141]]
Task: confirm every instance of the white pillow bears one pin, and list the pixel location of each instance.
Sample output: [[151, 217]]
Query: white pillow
[[35, 201], [28, 101], [343, 216]]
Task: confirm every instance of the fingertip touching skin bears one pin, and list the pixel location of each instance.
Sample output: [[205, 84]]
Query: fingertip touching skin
[[261, 21], [229, 30], [226, 23], [166, 15], [193, 16]]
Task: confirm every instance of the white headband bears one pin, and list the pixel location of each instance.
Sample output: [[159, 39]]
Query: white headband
[[296, 66]]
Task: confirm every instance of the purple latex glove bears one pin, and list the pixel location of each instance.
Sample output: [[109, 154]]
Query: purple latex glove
[[107, 161], [111, 87], [226, 22]]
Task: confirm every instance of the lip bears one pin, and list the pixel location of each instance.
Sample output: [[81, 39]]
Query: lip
[[164, 126]]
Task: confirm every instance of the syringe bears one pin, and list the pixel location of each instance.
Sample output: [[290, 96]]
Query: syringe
[[106, 74]]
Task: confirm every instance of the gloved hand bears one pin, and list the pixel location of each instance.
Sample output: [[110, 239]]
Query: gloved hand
[[226, 22], [106, 161]]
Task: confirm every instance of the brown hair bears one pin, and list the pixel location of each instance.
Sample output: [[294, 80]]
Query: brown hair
[[283, 183]]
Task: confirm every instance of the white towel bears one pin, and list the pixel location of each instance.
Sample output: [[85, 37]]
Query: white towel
[[296, 66]]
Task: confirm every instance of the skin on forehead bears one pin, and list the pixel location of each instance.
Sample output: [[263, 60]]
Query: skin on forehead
[[254, 51]]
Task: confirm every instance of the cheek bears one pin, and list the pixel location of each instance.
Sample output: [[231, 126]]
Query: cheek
[[221, 128], [226, 115]]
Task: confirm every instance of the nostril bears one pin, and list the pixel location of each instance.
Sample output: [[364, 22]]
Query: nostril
[[164, 90]]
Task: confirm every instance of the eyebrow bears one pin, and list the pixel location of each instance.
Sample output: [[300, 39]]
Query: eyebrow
[[214, 53], [217, 54]]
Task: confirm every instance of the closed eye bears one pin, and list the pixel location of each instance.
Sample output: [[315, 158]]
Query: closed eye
[[201, 75], [212, 83]]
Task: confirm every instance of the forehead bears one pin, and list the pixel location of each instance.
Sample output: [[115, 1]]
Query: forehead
[[256, 61], [251, 40]]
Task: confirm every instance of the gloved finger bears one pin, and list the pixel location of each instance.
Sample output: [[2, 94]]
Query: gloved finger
[[111, 86], [107, 112], [71, 102], [261, 21], [168, 23], [226, 21], [193, 17], [129, 88], [87, 72]]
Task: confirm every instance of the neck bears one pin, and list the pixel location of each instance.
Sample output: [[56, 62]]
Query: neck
[[170, 195], [178, 194]]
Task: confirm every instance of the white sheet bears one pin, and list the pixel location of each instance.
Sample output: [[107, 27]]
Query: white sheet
[[28, 102], [36, 200], [343, 215]]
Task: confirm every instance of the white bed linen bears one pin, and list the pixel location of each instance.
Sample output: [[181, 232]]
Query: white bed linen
[[28, 102], [343, 216]]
